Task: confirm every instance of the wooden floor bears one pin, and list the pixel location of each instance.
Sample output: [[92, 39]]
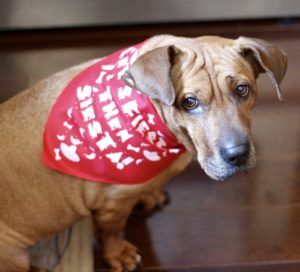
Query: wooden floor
[[251, 222]]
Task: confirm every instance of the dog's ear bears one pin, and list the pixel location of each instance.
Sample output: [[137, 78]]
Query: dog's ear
[[150, 74], [265, 58]]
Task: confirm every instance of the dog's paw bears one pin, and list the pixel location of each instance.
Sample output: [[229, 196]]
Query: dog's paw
[[122, 256], [154, 200]]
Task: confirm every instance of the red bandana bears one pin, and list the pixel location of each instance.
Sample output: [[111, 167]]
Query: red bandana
[[101, 130]]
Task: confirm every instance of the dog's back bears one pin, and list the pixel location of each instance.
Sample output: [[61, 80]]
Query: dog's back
[[23, 180]]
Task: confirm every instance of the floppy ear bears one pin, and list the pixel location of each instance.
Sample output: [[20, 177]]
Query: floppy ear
[[266, 58], [150, 74]]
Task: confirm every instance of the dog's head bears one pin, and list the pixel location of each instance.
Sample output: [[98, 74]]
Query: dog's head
[[205, 89]]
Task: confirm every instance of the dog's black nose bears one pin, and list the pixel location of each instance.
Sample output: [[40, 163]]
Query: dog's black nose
[[235, 155]]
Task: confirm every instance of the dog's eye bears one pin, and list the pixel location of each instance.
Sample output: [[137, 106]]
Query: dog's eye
[[190, 103], [242, 90]]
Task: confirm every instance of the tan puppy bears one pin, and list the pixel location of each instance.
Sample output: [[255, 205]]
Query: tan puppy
[[204, 90]]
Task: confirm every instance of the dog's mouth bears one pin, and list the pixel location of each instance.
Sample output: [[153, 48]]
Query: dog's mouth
[[216, 168], [223, 172]]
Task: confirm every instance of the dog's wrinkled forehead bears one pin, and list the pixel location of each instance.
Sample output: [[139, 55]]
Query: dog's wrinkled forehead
[[218, 58], [226, 59], [150, 73], [208, 70]]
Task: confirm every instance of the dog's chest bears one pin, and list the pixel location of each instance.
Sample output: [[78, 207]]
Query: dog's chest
[[101, 130]]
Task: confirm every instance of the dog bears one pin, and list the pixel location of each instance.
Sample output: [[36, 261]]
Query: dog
[[203, 89]]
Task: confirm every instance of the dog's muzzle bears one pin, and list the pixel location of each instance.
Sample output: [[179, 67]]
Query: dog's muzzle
[[235, 155], [234, 147]]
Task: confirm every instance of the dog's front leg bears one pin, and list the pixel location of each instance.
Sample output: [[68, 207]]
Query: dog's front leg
[[156, 196], [110, 221], [155, 199]]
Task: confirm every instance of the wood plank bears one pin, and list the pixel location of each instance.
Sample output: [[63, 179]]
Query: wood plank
[[79, 254]]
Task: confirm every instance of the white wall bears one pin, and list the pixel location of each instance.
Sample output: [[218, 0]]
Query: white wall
[[20, 14]]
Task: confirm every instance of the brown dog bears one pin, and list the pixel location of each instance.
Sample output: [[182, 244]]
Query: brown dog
[[204, 90]]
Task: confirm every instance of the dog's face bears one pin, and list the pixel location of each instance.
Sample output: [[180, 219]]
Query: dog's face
[[207, 88]]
